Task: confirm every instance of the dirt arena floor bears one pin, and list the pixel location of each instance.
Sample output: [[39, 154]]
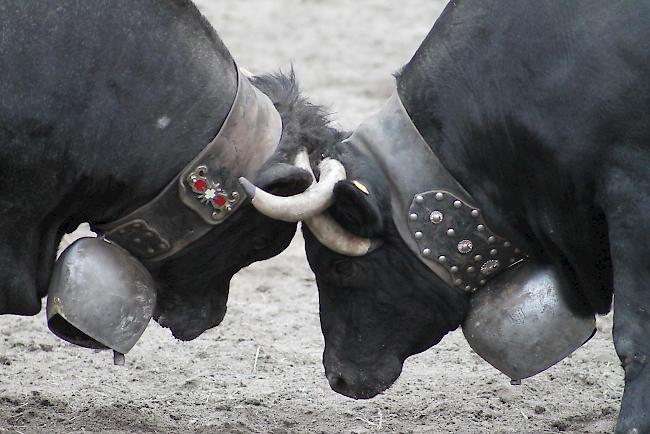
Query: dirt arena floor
[[260, 370]]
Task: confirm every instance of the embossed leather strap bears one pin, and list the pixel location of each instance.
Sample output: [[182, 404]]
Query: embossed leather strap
[[433, 213], [206, 192]]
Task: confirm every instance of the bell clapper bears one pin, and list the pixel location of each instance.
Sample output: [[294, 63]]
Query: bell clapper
[[118, 358]]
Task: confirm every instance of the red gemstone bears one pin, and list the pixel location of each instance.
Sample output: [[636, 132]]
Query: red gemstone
[[200, 185], [220, 201]]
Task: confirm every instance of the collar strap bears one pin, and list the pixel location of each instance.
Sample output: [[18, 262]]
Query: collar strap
[[435, 216], [206, 192]]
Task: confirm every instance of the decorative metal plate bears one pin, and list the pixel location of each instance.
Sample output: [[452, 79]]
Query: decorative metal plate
[[454, 234], [213, 199]]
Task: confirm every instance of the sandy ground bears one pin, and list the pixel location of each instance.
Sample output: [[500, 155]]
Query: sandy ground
[[344, 53]]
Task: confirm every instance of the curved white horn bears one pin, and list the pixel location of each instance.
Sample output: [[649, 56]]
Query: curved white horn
[[317, 198], [334, 237]]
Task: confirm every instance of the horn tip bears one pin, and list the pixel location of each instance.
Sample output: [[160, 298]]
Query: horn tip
[[248, 187]]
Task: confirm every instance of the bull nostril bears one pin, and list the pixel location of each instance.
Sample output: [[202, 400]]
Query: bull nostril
[[337, 382]]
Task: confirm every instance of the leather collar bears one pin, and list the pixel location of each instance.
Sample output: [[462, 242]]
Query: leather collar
[[206, 192], [435, 216]]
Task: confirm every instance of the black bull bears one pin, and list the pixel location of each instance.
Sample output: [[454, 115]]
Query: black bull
[[541, 111], [101, 106]]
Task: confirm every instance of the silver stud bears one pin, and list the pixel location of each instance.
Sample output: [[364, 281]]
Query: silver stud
[[418, 235], [483, 281], [478, 258], [480, 228], [493, 252], [442, 259], [465, 246], [419, 199], [150, 250], [439, 196], [458, 282], [512, 260], [490, 267], [475, 213], [457, 204], [451, 232], [517, 251], [468, 288], [471, 269], [454, 269], [492, 239], [162, 246], [413, 217], [506, 244], [436, 217], [426, 252], [137, 240]]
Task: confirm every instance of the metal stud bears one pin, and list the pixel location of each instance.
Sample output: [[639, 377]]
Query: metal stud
[[457, 204], [493, 252], [451, 232], [442, 259], [439, 196], [419, 199], [426, 252], [480, 228], [418, 235], [478, 258], [482, 281], [465, 246], [436, 217], [506, 244], [468, 288], [458, 282], [471, 269], [492, 239], [517, 251], [454, 269], [490, 267], [413, 217], [475, 213]]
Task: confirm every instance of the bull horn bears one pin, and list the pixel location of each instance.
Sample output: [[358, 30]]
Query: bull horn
[[316, 199], [334, 237]]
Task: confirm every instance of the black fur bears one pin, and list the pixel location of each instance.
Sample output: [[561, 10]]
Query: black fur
[[540, 110], [102, 105]]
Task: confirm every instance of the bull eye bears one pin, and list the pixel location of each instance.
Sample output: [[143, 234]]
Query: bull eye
[[261, 242]]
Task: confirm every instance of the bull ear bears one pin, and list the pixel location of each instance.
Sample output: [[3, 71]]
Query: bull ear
[[283, 179], [357, 208]]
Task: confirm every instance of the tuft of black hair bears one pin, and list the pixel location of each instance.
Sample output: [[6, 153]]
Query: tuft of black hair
[[304, 125]]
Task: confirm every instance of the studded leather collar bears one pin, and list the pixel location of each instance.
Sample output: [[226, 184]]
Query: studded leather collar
[[435, 216], [206, 192]]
